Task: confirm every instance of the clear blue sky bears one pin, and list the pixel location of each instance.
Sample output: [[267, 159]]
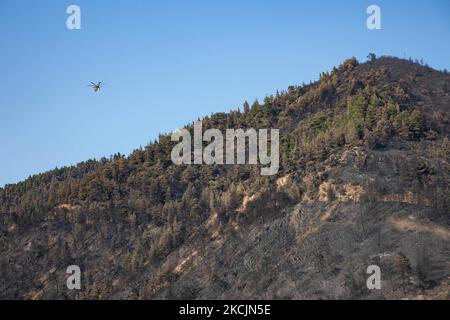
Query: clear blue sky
[[167, 63]]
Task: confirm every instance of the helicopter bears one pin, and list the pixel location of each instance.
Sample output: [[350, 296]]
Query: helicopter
[[96, 86]]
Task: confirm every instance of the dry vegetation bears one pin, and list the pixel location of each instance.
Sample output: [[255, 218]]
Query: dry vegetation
[[364, 180]]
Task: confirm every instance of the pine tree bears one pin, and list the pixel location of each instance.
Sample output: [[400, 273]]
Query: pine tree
[[246, 107]]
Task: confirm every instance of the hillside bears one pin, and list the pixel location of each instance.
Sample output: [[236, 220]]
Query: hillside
[[364, 179]]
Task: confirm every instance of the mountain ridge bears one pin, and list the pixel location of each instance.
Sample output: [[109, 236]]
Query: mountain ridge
[[363, 180]]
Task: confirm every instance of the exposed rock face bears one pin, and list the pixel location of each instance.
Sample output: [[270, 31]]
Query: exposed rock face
[[364, 180]]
